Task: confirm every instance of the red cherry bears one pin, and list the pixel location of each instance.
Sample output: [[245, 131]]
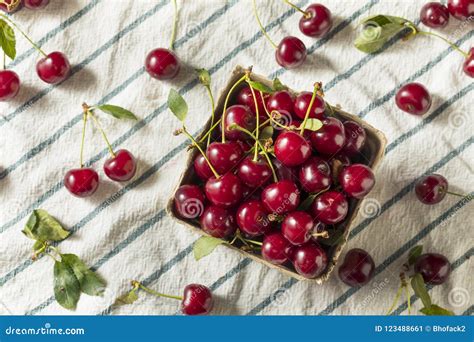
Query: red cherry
[[331, 207], [81, 182], [357, 269], [357, 180], [35, 4], [189, 201], [9, 85], [254, 173], [431, 189], [201, 167], [434, 268], [281, 197], [317, 23], [197, 300], [10, 6], [225, 191], [330, 138], [218, 222], [224, 156], [434, 14], [468, 65], [290, 53], [241, 116], [252, 219], [284, 172], [245, 98], [54, 68], [276, 249], [162, 64], [461, 9], [315, 175], [413, 98], [355, 138], [122, 167], [302, 102], [281, 101], [297, 227], [310, 260], [292, 149]]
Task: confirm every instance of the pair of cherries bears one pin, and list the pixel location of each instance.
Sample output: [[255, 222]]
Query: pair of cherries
[[11, 6]]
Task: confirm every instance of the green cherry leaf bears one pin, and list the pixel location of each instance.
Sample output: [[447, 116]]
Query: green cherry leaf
[[89, 281], [435, 310], [67, 289], [260, 86], [419, 286], [127, 298], [117, 112], [204, 77], [266, 133], [205, 245], [313, 124], [177, 105], [414, 253], [7, 39], [43, 227], [277, 85]]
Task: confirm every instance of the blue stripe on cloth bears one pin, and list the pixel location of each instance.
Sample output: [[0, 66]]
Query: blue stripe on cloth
[[469, 311]]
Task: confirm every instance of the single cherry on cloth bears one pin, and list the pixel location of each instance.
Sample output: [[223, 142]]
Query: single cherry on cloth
[[435, 268], [355, 138], [276, 249], [330, 207], [468, 65], [53, 68], [461, 9], [122, 167], [310, 260], [245, 98], [431, 189], [291, 52], [281, 101], [201, 167], [297, 227], [162, 64], [316, 21], [189, 201], [413, 98], [241, 116], [434, 15], [218, 222], [254, 173], [252, 219], [357, 268], [357, 180], [225, 191], [329, 139], [315, 175], [302, 102], [9, 85], [35, 4], [81, 182], [291, 149], [197, 300], [281, 197], [224, 156]]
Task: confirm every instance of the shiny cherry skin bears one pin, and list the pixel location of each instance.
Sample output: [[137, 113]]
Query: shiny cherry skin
[[285, 172], [162, 64], [13, 6], [434, 15], [81, 182], [9, 85], [318, 21], [302, 102], [189, 201], [241, 116], [225, 191], [254, 173], [281, 197], [252, 219], [197, 300], [54, 68], [431, 189], [310, 260], [290, 53], [35, 4], [281, 101], [461, 9], [355, 138], [413, 98], [275, 248], [357, 269], [329, 139], [468, 65], [245, 98], [218, 222], [292, 149], [224, 156], [297, 227], [435, 268], [122, 167], [201, 167], [330, 207], [357, 180], [315, 175]]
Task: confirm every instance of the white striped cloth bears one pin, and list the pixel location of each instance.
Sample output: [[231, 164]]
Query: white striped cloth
[[123, 231]]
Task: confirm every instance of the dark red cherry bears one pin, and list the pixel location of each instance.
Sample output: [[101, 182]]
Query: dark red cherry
[[122, 167], [468, 65], [189, 201], [276, 249], [330, 138], [290, 53], [357, 268], [330, 207], [297, 227], [355, 138], [310, 260], [218, 222], [197, 300], [10, 6], [434, 14], [285, 172], [431, 189], [461, 9], [318, 21], [54, 68], [435, 268], [224, 156], [319, 227], [81, 182], [241, 116], [252, 219], [357, 180], [225, 191], [413, 98], [281, 101], [291, 148], [35, 4], [302, 102], [245, 98], [254, 173], [9, 85], [162, 64], [201, 167], [281, 197], [315, 175]]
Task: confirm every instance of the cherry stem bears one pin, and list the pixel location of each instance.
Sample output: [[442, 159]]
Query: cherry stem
[[395, 300], [24, 34], [257, 117], [272, 119], [175, 24], [240, 80], [261, 26], [454, 46], [90, 113], [84, 119], [185, 131], [455, 193], [313, 97], [239, 236], [211, 98], [137, 284], [323, 234], [306, 14]]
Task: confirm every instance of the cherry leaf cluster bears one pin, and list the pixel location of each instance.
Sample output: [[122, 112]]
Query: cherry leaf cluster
[[7, 39]]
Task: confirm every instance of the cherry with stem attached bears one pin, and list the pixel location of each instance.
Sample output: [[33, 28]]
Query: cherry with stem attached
[[316, 20], [9, 83]]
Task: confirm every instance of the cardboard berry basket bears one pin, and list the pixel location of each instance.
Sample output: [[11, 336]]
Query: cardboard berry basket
[[372, 152]]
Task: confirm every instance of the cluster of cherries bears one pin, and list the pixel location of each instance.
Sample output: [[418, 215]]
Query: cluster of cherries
[[253, 192]]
